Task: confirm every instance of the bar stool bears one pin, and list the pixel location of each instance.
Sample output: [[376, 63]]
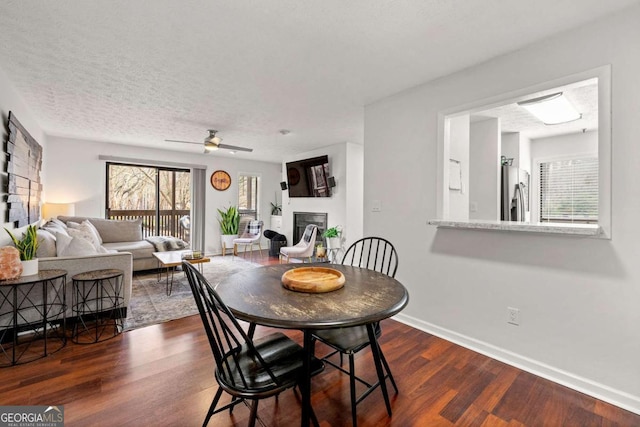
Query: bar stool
[[98, 305]]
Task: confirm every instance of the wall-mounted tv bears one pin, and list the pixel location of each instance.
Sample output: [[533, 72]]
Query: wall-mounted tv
[[309, 177]]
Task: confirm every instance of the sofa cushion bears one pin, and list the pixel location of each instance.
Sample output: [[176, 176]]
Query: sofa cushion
[[112, 230], [139, 250], [119, 231]]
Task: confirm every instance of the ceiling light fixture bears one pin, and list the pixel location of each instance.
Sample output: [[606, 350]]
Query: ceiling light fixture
[[551, 109], [211, 142]]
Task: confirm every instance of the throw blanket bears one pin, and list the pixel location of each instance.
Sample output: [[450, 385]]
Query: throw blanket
[[167, 243]]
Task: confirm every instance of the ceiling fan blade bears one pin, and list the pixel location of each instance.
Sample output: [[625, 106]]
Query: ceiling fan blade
[[234, 147], [184, 142]]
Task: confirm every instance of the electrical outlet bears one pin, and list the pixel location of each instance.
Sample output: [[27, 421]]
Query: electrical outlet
[[513, 316]]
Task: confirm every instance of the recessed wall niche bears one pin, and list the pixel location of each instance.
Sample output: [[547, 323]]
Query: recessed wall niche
[[466, 132]]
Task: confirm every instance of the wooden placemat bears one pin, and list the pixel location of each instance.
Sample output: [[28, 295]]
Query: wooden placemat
[[313, 279]]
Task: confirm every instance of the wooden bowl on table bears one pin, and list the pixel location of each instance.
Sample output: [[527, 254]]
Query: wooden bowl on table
[[313, 279]]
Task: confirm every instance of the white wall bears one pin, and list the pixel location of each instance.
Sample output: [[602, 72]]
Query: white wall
[[511, 147], [484, 170], [354, 190], [11, 101], [345, 205], [76, 174], [518, 147], [563, 145], [578, 296], [459, 151]]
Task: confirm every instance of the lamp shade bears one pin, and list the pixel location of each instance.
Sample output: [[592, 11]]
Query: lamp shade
[[53, 210]]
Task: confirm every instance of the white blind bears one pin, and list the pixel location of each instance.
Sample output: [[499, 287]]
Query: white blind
[[569, 190]]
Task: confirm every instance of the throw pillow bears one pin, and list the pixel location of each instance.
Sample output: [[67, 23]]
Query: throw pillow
[[73, 246], [54, 226], [93, 229], [88, 230], [83, 234], [46, 244]]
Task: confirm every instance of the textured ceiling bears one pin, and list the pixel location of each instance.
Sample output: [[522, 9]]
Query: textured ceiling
[[138, 73], [513, 118]]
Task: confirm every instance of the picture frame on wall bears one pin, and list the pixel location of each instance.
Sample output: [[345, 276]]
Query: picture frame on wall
[[24, 165]]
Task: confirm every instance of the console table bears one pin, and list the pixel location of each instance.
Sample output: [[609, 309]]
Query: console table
[[32, 316]]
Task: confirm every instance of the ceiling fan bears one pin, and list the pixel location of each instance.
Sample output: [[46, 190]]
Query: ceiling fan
[[212, 143]]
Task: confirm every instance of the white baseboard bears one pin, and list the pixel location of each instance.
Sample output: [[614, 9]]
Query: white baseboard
[[584, 385]]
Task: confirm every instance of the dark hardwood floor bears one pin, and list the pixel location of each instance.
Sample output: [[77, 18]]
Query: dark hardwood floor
[[162, 375]]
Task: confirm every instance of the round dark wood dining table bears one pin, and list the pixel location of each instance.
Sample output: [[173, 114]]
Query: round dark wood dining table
[[257, 296]]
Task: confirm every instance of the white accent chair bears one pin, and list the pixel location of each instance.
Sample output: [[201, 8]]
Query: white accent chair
[[304, 248], [251, 236]]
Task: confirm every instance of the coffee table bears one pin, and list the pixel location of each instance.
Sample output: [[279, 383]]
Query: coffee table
[[171, 259]]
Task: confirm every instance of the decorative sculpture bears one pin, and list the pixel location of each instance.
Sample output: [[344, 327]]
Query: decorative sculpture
[[10, 265]]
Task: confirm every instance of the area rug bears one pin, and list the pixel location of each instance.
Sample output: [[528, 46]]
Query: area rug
[[150, 303]]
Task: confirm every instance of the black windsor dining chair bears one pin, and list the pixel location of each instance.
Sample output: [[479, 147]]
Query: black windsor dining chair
[[373, 253], [247, 369]]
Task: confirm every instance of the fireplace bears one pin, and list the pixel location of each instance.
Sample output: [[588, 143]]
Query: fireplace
[[302, 219]]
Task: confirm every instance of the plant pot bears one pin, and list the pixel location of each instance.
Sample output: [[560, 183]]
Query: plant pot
[[321, 252], [334, 243], [227, 241], [29, 268]]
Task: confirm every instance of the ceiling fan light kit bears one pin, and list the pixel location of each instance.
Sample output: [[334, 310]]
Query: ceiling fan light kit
[[210, 146]]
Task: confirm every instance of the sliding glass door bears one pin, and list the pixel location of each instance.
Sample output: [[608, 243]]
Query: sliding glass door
[[160, 196]]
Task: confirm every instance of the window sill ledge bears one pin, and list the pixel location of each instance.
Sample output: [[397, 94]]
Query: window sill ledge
[[586, 230]]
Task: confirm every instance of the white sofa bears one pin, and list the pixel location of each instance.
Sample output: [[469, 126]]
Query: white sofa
[[122, 236], [122, 247]]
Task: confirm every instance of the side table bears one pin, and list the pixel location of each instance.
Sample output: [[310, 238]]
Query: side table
[[32, 316], [98, 305]]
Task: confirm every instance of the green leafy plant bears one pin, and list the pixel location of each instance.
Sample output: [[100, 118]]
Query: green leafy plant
[[28, 244], [332, 232], [229, 220]]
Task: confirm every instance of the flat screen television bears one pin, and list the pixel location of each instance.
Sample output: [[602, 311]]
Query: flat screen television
[[309, 177]]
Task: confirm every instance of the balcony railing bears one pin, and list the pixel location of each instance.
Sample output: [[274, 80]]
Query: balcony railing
[[168, 221]]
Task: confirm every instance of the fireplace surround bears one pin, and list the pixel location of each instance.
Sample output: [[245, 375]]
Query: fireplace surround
[[302, 219]]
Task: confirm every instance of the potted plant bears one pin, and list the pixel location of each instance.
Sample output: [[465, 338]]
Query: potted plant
[[229, 221], [27, 246], [333, 236], [276, 209]]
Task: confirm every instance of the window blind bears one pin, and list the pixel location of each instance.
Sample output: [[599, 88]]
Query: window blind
[[569, 190]]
